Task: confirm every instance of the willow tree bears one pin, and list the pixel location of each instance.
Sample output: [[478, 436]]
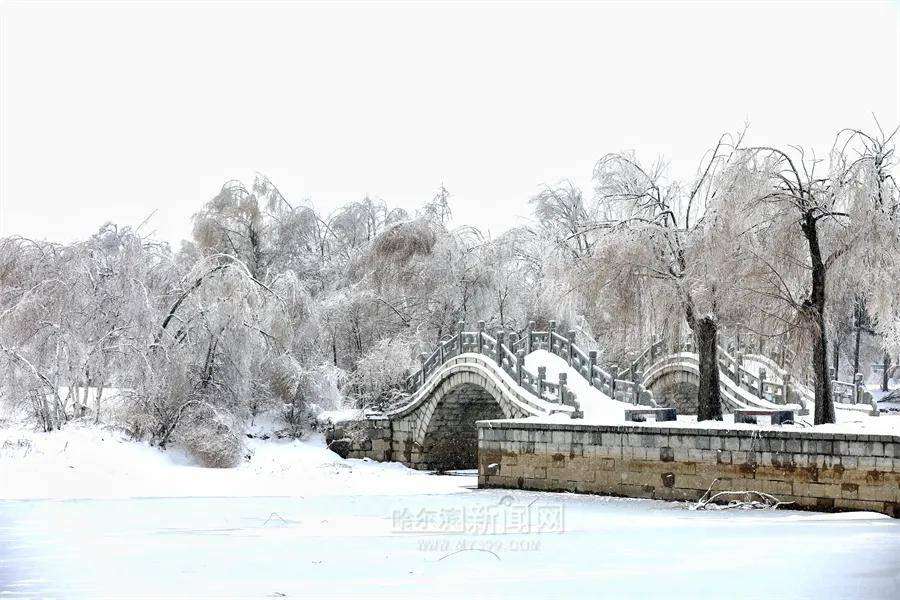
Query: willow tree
[[670, 245], [817, 233]]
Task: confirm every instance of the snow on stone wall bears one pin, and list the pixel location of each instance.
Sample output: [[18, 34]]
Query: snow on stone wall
[[814, 470]]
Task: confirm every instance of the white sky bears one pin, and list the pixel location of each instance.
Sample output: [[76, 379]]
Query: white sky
[[111, 111]]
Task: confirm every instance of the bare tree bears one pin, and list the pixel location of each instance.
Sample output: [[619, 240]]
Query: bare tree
[[847, 221], [675, 242]]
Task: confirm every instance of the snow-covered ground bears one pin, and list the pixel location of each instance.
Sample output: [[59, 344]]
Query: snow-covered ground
[[91, 462], [596, 406], [126, 520], [86, 512]]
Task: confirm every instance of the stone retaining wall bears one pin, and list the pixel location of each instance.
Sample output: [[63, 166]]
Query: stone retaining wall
[[362, 438], [816, 471]]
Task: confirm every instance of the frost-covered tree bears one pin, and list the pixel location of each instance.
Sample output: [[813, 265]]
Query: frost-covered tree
[[203, 364], [74, 316], [671, 251], [562, 212], [816, 231]]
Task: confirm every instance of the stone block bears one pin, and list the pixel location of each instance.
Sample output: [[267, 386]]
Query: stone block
[[681, 454], [633, 440], [612, 439], [866, 462], [856, 504], [850, 463], [562, 437], [709, 456], [825, 447], [878, 493], [748, 444], [858, 449], [884, 464], [774, 487]]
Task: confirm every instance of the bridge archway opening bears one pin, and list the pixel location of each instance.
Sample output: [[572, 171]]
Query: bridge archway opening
[[681, 395], [451, 438], [676, 389]]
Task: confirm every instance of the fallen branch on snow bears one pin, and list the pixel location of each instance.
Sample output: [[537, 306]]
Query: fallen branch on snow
[[745, 499]]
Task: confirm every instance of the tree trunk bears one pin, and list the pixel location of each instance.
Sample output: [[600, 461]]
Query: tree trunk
[[837, 360], [884, 375], [709, 398], [824, 401], [334, 348], [84, 398], [858, 319], [49, 424], [815, 307], [97, 401]]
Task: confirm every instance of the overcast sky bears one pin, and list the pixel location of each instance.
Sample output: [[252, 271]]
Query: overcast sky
[[111, 111]]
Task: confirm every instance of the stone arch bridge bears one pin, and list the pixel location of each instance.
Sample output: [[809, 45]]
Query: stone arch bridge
[[474, 376]]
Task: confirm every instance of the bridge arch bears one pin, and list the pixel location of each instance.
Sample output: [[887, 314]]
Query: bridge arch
[[450, 438], [674, 386], [436, 431], [440, 432]]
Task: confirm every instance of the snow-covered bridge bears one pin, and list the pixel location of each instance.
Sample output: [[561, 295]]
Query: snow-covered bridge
[[469, 377], [749, 378], [473, 376]]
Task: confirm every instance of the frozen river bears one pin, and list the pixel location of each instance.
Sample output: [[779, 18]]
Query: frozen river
[[471, 543]]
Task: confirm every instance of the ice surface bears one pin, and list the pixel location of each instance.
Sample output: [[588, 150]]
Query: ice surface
[[84, 512]]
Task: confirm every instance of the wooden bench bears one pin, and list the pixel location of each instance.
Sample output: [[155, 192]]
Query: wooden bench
[[639, 415], [776, 416]]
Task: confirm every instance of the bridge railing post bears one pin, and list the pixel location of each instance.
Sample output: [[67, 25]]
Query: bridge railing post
[[550, 337], [500, 335], [443, 346], [571, 337], [592, 362], [511, 341], [520, 365], [459, 332], [636, 388], [762, 382], [422, 358], [563, 380], [738, 365], [613, 375], [480, 337], [530, 344], [542, 377], [788, 396], [645, 396], [858, 388]]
